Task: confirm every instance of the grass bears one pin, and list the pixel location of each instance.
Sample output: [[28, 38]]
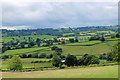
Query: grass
[[89, 72], [28, 65], [94, 49], [65, 34], [84, 43], [26, 50], [37, 65]]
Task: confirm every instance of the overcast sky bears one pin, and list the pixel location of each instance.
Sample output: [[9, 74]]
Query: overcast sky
[[23, 15]]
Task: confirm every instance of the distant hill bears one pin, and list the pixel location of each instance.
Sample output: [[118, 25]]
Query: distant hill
[[56, 32]]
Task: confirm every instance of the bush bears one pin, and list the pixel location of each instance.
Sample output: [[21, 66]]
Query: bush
[[94, 38], [5, 56], [103, 56], [88, 59], [32, 43], [15, 63], [62, 56], [110, 56], [54, 47], [118, 35], [71, 40], [23, 55], [49, 56], [58, 49], [102, 39], [56, 61], [63, 42], [35, 55], [39, 61], [71, 60], [29, 55], [43, 55]]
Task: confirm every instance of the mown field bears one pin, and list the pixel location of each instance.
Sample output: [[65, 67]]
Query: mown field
[[26, 51], [92, 47], [89, 72]]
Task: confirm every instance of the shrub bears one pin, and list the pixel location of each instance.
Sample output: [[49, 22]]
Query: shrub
[[54, 47], [43, 55], [32, 43], [71, 60], [58, 49], [23, 55], [29, 46], [110, 56], [88, 59], [102, 39], [94, 38], [56, 61], [118, 35], [49, 56], [35, 55], [62, 56], [29, 55], [103, 56], [5, 56], [63, 42], [15, 63], [71, 40]]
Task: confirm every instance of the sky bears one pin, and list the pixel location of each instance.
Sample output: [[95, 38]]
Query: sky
[[18, 14]]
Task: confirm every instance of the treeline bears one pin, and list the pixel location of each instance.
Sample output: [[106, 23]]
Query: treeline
[[56, 32], [57, 51], [19, 45]]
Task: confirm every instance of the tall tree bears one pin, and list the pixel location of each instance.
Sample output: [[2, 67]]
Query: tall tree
[[15, 63], [56, 61], [71, 60]]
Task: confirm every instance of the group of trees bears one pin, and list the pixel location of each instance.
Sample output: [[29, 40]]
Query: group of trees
[[71, 60], [25, 44], [72, 40], [114, 55], [55, 32], [34, 55], [97, 38]]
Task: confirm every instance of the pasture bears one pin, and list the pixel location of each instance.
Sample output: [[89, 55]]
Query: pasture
[[26, 50], [88, 72], [88, 48], [27, 63]]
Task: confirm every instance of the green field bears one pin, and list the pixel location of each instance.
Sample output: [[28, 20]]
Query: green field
[[81, 48], [89, 72], [93, 33], [27, 50], [29, 64], [21, 38], [84, 43]]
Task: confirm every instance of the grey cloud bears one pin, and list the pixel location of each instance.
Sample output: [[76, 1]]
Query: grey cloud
[[54, 14]]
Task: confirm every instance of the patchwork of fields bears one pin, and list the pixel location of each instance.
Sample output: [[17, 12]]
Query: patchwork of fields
[[26, 38], [81, 48], [78, 49]]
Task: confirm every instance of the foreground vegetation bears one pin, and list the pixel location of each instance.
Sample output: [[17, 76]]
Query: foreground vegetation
[[89, 72]]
